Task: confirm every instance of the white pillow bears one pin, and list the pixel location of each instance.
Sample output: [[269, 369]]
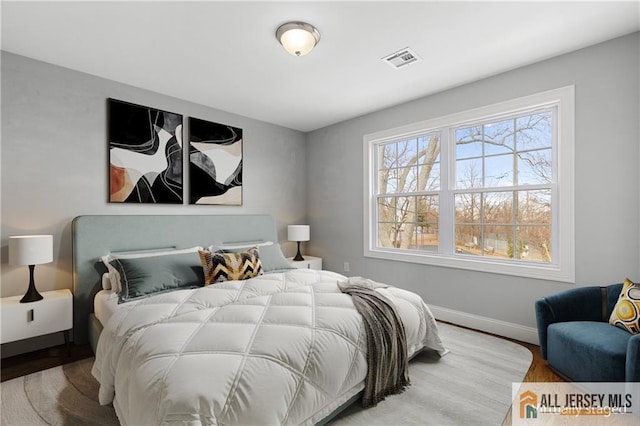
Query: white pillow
[[106, 281], [270, 253], [238, 246], [113, 277]]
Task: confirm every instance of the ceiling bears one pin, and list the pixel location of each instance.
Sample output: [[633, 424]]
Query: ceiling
[[225, 54]]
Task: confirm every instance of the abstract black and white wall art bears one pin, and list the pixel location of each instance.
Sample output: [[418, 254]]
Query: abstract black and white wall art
[[145, 154], [215, 163]]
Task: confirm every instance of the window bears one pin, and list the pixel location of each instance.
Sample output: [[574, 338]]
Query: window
[[489, 189]]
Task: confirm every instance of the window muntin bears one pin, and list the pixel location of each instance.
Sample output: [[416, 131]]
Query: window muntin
[[494, 199]]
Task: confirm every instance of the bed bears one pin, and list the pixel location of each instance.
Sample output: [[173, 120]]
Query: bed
[[284, 347]]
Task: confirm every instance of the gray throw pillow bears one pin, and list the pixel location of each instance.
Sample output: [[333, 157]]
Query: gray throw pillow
[[145, 276]]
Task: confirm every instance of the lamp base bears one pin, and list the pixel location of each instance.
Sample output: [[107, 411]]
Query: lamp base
[[298, 255], [32, 294]]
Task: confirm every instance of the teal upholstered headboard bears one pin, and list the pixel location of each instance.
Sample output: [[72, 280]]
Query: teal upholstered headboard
[[95, 236]]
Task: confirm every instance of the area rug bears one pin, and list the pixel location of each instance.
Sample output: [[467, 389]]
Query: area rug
[[471, 385]]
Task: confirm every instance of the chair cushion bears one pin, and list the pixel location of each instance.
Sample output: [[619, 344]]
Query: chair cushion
[[588, 351]]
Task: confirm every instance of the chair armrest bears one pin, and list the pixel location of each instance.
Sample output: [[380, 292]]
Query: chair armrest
[[632, 369], [544, 317], [577, 304]]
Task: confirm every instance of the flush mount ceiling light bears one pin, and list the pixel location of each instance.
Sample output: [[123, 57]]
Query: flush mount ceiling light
[[298, 38]]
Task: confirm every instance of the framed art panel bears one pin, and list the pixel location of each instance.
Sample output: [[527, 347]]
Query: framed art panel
[[215, 163], [145, 154]]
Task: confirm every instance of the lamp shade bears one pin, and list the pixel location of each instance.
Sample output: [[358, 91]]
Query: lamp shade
[[30, 249], [298, 232], [298, 38]]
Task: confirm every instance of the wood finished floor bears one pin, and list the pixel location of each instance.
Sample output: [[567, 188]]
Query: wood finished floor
[[539, 370], [32, 362], [22, 365]]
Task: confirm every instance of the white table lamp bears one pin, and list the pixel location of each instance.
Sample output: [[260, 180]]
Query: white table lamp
[[31, 250], [298, 233]]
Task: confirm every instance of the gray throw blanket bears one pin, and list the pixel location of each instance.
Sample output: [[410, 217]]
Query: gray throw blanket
[[387, 358]]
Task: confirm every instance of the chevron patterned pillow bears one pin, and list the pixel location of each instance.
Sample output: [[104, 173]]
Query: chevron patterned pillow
[[220, 266]]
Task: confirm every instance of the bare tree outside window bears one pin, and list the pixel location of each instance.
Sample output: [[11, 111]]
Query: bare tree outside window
[[501, 189], [507, 168], [408, 181], [487, 189]]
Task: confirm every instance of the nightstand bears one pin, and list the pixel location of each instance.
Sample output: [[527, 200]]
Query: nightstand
[[24, 320], [309, 262]]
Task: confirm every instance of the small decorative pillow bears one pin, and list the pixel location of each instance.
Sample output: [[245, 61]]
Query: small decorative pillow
[[626, 313], [220, 266]]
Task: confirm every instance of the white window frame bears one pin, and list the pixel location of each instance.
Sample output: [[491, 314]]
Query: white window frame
[[562, 268]]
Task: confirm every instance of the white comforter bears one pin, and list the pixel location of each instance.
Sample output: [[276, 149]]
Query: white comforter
[[283, 348]]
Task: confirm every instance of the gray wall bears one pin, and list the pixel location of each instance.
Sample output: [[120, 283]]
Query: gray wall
[[606, 183], [54, 167], [55, 162]]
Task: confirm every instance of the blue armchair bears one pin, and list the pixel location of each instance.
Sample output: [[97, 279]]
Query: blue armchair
[[579, 343]]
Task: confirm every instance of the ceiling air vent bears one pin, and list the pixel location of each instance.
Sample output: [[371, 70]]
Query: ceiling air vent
[[401, 58]]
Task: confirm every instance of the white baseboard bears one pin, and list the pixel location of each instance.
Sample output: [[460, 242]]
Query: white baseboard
[[490, 325]]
